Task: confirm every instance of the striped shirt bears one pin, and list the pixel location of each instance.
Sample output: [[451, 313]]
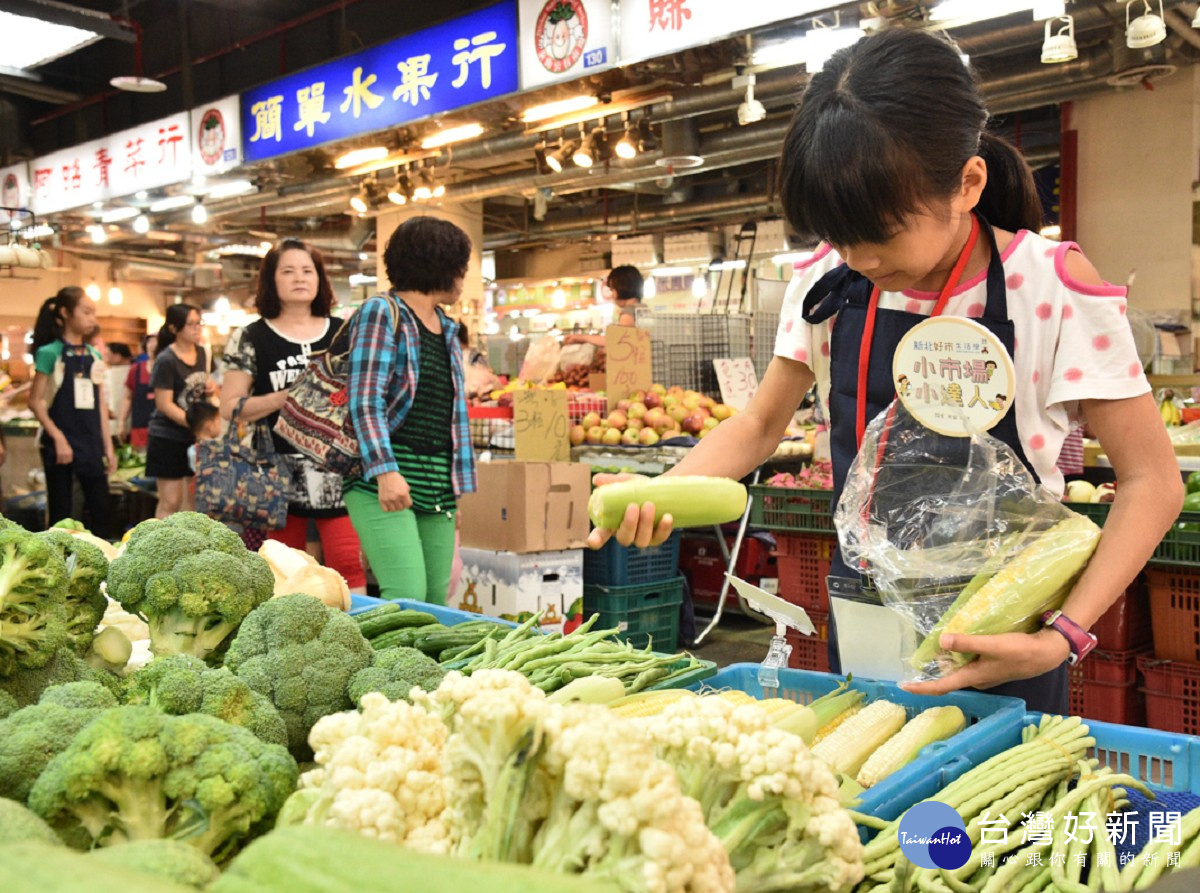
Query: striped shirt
[[382, 382]]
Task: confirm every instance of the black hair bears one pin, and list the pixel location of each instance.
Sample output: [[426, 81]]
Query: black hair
[[146, 342], [120, 349], [426, 254], [266, 299], [626, 282], [884, 130], [199, 414], [464, 337], [51, 318], [176, 319]]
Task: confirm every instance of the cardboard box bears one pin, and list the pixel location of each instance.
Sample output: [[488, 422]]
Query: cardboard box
[[513, 586], [527, 507]]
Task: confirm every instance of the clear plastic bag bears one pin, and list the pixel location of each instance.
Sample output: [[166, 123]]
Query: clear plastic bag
[[930, 518], [542, 360]]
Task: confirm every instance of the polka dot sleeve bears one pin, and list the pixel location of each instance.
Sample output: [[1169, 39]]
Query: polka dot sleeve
[[1095, 358], [796, 339]]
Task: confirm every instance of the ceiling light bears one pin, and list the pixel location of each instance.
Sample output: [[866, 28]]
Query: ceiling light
[[357, 279], [1059, 46], [583, 155], [396, 196], [358, 201], [452, 135], [950, 13], [199, 213], [92, 290], [137, 84], [424, 189], [699, 286], [115, 296], [673, 271], [401, 192], [539, 159], [557, 160], [1196, 20], [821, 42], [439, 190], [649, 288], [170, 203], [99, 237], [558, 299], [558, 107], [751, 111], [230, 189], [1146, 30], [1049, 9], [29, 42], [141, 224], [778, 55], [360, 156], [141, 195], [116, 215], [626, 146]]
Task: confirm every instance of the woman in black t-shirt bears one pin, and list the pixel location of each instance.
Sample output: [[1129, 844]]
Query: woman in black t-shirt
[[180, 378], [261, 361]]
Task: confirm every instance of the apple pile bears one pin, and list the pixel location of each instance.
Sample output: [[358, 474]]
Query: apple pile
[[646, 417]]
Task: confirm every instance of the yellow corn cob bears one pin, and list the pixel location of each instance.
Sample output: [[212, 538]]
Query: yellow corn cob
[[779, 706], [647, 703], [934, 724], [855, 740], [737, 698], [833, 725]]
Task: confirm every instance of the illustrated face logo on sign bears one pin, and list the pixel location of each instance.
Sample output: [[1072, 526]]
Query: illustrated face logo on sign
[[953, 376], [561, 34], [211, 138], [11, 196]]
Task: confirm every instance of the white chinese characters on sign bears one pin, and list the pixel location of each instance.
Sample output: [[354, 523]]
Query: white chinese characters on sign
[[146, 157], [311, 103], [359, 93], [415, 80], [480, 48]]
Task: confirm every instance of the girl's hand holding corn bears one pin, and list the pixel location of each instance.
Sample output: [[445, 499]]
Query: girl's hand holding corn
[[637, 528], [1002, 658]]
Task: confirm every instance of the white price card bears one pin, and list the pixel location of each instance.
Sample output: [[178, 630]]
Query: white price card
[[737, 380]]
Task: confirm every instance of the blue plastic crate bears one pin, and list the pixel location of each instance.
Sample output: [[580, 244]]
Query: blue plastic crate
[[993, 723], [445, 616], [617, 565]]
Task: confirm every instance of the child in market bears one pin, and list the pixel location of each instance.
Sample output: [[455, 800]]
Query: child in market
[[204, 421], [921, 212]]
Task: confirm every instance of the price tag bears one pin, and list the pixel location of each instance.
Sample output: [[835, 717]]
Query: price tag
[[628, 350], [85, 393], [541, 426], [953, 376], [737, 380]]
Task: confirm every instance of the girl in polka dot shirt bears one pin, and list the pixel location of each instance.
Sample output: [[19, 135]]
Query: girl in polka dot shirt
[[921, 210]]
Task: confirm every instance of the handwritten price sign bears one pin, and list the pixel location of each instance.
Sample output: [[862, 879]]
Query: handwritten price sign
[[541, 426], [737, 381], [628, 351]]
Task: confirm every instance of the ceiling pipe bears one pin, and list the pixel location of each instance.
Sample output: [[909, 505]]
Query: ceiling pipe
[[1183, 27]]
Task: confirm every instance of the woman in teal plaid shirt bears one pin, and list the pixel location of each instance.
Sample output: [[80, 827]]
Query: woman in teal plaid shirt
[[409, 409]]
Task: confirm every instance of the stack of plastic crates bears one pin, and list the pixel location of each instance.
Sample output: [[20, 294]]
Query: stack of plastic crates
[[491, 427], [683, 346], [1171, 677], [639, 591], [1105, 686]]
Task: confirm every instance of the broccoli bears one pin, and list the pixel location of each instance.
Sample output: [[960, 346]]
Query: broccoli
[[170, 860], [26, 686], [394, 672], [137, 774], [193, 581], [8, 704], [301, 654], [33, 622], [86, 570], [34, 735], [181, 684], [19, 824]]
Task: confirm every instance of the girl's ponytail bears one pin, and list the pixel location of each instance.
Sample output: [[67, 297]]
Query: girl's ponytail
[[50, 326], [1010, 199]]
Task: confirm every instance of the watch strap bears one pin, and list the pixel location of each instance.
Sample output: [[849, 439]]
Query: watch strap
[[1081, 642]]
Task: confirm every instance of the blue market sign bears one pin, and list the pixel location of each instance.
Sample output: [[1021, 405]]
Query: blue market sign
[[445, 67]]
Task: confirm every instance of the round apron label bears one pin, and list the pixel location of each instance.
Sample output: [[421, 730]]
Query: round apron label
[[953, 376]]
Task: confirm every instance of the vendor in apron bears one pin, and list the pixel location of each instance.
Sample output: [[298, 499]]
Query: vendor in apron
[[887, 160]]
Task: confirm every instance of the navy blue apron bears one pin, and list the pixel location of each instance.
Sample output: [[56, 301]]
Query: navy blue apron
[[81, 427], [847, 294]]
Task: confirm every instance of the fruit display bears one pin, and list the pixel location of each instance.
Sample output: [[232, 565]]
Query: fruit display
[[646, 417], [817, 476]]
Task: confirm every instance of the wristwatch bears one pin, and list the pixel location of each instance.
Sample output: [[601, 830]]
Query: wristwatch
[[1081, 641]]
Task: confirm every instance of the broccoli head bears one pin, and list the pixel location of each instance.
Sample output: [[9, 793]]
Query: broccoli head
[[32, 736], [394, 672], [300, 654], [27, 686], [8, 704], [33, 582], [19, 824], [137, 774], [192, 579], [169, 860], [87, 568], [182, 684]]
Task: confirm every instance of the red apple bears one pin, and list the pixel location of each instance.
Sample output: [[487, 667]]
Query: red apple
[[695, 421], [653, 399], [678, 412], [595, 434], [617, 419], [578, 435], [611, 437], [664, 424], [653, 416], [648, 437]]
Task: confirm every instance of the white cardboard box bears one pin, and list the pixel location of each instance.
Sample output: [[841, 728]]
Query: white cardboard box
[[512, 586]]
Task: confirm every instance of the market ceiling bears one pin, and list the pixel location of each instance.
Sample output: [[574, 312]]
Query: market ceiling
[[684, 104]]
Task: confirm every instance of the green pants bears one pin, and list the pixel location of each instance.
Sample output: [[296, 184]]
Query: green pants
[[410, 553]]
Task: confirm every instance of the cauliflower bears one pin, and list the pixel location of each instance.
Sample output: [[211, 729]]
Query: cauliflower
[[770, 802], [379, 773]]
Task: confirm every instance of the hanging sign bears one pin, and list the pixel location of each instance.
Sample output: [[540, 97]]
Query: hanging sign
[[216, 137], [953, 376], [564, 39], [737, 380], [438, 69], [541, 426], [628, 358], [145, 157]]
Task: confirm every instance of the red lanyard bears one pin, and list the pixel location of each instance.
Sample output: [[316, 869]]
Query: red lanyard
[[864, 356]]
